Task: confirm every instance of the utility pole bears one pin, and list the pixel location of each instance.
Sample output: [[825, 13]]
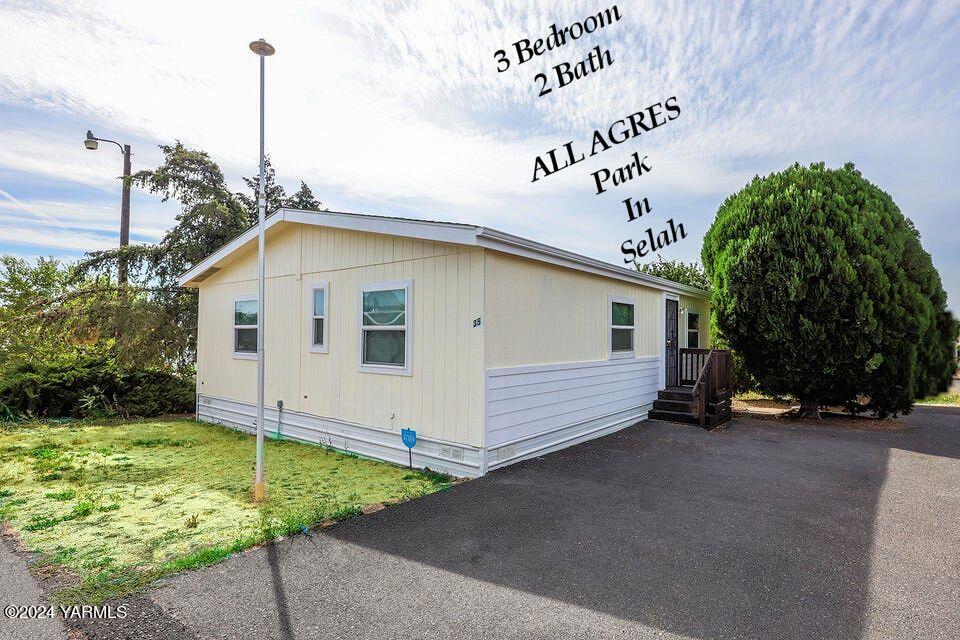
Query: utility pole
[[262, 49], [124, 217], [92, 143]]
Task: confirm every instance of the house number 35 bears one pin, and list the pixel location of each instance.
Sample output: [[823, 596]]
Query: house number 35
[[476, 323]]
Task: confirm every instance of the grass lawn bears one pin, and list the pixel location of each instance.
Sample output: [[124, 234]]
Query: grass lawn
[[943, 398], [752, 398], [122, 503]]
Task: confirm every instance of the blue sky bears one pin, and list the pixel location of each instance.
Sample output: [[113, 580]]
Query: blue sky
[[396, 108]]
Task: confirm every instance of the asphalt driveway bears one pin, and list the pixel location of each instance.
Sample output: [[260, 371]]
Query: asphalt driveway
[[660, 531]]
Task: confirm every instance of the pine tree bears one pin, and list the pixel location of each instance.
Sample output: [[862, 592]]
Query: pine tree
[[690, 274], [822, 285], [303, 199], [276, 194]]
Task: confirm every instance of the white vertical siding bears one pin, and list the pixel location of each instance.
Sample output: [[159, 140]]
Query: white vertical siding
[[533, 376], [442, 399], [540, 314]]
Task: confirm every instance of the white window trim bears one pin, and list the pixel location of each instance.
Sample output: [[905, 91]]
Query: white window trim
[[407, 368], [241, 355], [325, 347], [611, 354], [686, 336]]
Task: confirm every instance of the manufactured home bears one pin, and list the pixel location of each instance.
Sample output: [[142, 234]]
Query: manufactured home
[[491, 347]]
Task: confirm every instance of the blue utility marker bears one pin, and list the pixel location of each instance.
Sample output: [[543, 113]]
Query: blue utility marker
[[409, 437]]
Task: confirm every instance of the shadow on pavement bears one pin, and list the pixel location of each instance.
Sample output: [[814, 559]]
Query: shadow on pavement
[[761, 530], [279, 593]]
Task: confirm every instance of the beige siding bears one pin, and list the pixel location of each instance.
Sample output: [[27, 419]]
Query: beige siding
[[443, 398], [531, 313], [696, 305], [283, 259], [540, 314]]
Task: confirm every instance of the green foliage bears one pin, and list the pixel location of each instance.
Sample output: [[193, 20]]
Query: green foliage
[[692, 274], [688, 273], [67, 494], [276, 194], [92, 386], [82, 509], [952, 399], [23, 287], [210, 217], [822, 286], [50, 311], [303, 199]]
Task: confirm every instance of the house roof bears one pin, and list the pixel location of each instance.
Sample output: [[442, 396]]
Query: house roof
[[450, 232]]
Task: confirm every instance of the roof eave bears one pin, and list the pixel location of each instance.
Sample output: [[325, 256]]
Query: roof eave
[[453, 233], [508, 243], [187, 278]]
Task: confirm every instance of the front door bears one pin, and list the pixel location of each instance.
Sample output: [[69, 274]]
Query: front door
[[673, 343]]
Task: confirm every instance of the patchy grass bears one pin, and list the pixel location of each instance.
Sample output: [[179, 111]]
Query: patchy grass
[[754, 400], [758, 404], [121, 504], [947, 398]]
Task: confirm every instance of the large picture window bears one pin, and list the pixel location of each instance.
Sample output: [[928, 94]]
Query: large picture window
[[385, 327], [318, 317], [622, 326], [245, 326], [693, 330]]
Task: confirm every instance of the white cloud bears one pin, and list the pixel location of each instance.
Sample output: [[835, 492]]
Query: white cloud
[[78, 217], [399, 103], [70, 241], [392, 100]]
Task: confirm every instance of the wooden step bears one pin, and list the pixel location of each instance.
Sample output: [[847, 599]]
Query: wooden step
[[674, 416], [677, 406], [715, 407], [709, 422], [676, 393]]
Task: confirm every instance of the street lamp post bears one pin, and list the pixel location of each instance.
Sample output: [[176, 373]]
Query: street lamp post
[[92, 143], [262, 49]]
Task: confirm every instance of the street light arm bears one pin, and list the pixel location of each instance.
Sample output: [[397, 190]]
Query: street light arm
[[119, 146]]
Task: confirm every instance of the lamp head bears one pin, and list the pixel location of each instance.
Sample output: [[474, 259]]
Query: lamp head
[[262, 48], [91, 142]]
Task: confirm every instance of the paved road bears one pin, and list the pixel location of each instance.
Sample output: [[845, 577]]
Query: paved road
[[18, 588], [659, 531]]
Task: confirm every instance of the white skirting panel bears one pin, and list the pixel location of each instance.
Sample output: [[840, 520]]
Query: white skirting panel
[[372, 442], [530, 411], [534, 410]]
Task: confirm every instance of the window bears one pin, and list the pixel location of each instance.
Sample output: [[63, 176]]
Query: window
[[318, 317], [385, 323], [693, 330], [245, 326], [621, 326]]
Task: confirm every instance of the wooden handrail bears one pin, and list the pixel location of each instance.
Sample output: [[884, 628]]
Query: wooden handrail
[[712, 378], [698, 389]]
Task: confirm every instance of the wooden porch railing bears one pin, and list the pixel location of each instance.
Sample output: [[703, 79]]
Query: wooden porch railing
[[691, 363], [708, 371]]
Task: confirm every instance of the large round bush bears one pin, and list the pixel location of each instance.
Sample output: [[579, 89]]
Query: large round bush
[[821, 284]]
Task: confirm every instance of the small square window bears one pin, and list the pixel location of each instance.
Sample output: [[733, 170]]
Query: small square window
[[318, 317], [245, 326], [693, 330], [622, 326]]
